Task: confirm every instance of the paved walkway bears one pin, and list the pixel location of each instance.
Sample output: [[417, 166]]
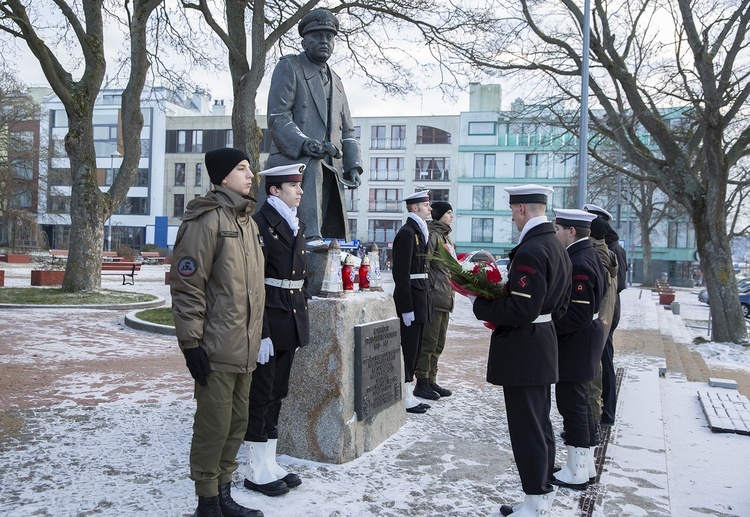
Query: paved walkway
[[95, 420]]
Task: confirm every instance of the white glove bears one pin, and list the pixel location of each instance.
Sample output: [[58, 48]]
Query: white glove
[[408, 318], [471, 298], [266, 350]]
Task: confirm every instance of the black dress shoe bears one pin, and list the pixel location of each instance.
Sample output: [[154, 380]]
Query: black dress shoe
[[424, 405], [292, 480], [506, 509], [440, 390], [419, 409], [272, 489]]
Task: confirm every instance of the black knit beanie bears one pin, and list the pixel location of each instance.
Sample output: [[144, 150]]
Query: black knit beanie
[[439, 209], [599, 228], [220, 162]]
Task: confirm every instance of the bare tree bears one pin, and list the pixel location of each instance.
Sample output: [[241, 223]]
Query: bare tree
[[55, 31], [678, 69]]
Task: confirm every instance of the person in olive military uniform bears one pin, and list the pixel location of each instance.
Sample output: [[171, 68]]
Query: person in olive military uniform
[[217, 291], [580, 341], [411, 293], [286, 326], [523, 348]]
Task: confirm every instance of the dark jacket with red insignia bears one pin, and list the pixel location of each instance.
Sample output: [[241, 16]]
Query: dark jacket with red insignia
[[523, 353], [580, 338], [410, 257], [286, 319]]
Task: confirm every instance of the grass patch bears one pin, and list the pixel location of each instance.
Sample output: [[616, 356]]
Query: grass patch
[[55, 296], [160, 316]]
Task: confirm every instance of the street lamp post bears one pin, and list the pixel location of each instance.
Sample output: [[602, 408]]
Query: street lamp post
[[112, 171], [583, 144]]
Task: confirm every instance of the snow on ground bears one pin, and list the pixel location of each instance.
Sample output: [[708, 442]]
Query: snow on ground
[[128, 455]]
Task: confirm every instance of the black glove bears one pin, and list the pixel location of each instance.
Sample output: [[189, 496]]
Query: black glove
[[197, 362]]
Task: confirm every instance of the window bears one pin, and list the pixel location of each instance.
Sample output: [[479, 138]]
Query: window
[[358, 133], [133, 206], [439, 194], [22, 198], [385, 200], [569, 166], [145, 148], [350, 198], [198, 174], [484, 165], [531, 166], [59, 118], [142, 179], [60, 178], [681, 235], [58, 204], [432, 169], [181, 141], [386, 169], [179, 174], [22, 168], [106, 117], [382, 230], [197, 142], [482, 128], [564, 197], [483, 198], [398, 137], [481, 229], [352, 229], [432, 135], [377, 137], [179, 205]]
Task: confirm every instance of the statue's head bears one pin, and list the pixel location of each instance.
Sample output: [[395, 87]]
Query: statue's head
[[318, 29]]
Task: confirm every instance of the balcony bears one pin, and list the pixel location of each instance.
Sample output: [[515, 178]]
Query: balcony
[[387, 143], [431, 175], [386, 175]]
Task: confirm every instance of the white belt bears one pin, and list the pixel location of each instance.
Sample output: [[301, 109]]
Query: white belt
[[284, 284], [543, 318], [595, 316], [418, 276]]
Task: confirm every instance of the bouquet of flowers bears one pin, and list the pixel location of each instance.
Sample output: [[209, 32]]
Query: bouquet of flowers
[[473, 278]]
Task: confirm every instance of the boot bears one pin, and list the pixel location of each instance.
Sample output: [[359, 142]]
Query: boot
[[424, 391], [411, 402], [208, 507], [532, 506], [258, 476], [228, 507], [575, 473], [591, 466], [292, 480], [440, 390]]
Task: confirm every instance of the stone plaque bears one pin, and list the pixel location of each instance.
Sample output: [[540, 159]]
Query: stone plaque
[[378, 375]]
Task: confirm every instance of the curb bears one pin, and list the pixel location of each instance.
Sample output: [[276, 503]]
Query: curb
[[132, 321], [115, 307]]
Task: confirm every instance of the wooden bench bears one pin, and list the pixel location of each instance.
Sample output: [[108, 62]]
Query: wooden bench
[[58, 254], [126, 269], [110, 256], [152, 257]]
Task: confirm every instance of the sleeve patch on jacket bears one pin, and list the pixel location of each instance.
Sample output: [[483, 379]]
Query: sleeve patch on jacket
[[521, 294], [523, 281], [580, 288], [527, 269], [186, 266], [580, 277]]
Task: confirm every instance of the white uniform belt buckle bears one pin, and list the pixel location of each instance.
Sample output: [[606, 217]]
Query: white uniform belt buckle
[[418, 276], [595, 316], [543, 318], [284, 284]]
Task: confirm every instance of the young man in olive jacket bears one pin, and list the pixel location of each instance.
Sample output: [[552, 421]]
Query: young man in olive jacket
[[523, 347], [285, 325], [218, 296]]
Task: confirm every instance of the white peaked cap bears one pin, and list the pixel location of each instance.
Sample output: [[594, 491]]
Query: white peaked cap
[[529, 194], [417, 197], [598, 211], [573, 217]]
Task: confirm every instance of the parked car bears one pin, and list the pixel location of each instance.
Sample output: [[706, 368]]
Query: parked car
[[745, 303], [743, 286], [476, 256]]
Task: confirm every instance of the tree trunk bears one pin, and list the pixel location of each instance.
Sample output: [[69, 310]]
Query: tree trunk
[[718, 274], [648, 268], [86, 210]]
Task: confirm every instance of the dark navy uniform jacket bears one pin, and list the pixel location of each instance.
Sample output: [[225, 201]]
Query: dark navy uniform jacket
[[410, 257], [523, 353], [580, 338], [286, 319]]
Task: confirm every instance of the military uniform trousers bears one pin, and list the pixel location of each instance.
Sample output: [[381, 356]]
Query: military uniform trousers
[[575, 408], [218, 428], [269, 387], [433, 343], [609, 377], [411, 347], [531, 435]]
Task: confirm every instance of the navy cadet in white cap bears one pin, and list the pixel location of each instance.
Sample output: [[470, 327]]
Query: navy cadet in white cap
[[608, 376], [580, 340], [523, 347], [285, 325], [411, 293]]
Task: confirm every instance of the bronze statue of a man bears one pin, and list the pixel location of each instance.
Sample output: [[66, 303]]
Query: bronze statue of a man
[[309, 122]]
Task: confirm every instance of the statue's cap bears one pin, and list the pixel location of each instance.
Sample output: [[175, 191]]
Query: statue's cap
[[598, 211], [318, 20], [283, 174], [528, 194]]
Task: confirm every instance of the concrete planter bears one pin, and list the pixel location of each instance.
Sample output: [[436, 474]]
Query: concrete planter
[[17, 258], [666, 297], [46, 277]]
